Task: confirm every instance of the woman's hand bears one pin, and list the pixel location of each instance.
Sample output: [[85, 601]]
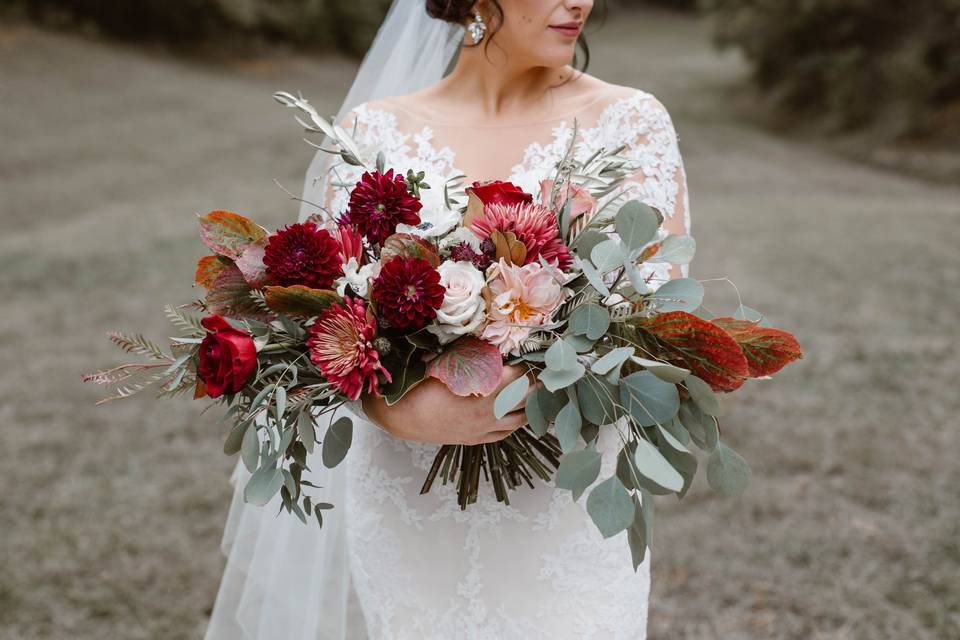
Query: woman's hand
[[431, 413]]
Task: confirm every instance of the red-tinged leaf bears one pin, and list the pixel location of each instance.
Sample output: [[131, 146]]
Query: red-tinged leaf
[[228, 234], [229, 295], [251, 265], [209, 267], [649, 251], [468, 366], [410, 246], [701, 346], [298, 300], [200, 390], [767, 349]]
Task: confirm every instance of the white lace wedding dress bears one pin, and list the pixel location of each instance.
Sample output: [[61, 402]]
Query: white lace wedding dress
[[418, 566]]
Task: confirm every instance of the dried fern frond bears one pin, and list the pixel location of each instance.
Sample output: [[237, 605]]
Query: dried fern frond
[[188, 324], [137, 344]]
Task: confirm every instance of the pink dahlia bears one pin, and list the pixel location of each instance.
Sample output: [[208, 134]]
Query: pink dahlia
[[341, 345], [408, 292], [532, 224], [304, 254], [379, 202]]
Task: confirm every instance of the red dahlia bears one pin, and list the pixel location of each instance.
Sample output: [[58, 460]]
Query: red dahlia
[[408, 292], [304, 254], [379, 202]]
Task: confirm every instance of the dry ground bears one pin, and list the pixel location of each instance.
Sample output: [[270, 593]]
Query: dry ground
[[111, 516]]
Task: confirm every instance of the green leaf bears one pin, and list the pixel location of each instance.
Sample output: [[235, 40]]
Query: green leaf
[[556, 380], [727, 472], [649, 399], [232, 444], [679, 458], [510, 396], [640, 533], [598, 400], [608, 255], [701, 426], [651, 464], [681, 294], [636, 224], [299, 300], [409, 371], [578, 470], [704, 396], [262, 486], [610, 507], [594, 278], [305, 428], [586, 241], [541, 409], [744, 312], [568, 425], [611, 360], [337, 442], [280, 400], [676, 250], [581, 344], [591, 320], [663, 370], [561, 356], [250, 449]]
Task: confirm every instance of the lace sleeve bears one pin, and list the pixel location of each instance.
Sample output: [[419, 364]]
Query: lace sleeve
[[659, 179]]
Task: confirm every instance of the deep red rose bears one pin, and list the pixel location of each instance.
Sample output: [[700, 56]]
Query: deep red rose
[[305, 254], [228, 357], [378, 203], [499, 192], [408, 293]]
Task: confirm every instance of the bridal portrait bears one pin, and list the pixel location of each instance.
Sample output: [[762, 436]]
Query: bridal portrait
[[480, 319]]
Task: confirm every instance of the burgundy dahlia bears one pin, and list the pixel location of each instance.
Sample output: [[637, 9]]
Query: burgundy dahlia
[[408, 293], [341, 345], [302, 253], [379, 202]]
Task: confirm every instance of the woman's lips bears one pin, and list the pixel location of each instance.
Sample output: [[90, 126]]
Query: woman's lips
[[570, 29]]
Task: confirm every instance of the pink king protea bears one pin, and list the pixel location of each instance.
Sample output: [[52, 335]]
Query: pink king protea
[[341, 345], [532, 224]]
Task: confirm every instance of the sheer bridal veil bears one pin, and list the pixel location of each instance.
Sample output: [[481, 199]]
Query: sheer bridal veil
[[285, 580]]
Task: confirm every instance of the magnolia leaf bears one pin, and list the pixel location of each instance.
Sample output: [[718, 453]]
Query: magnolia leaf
[[251, 265], [608, 255], [298, 300], [541, 409], [337, 442], [767, 349], [468, 366], [636, 224], [649, 399], [704, 396], [727, 472], [228, 234], [701, 346], [663, 370], [611, 360], [510, 396], [676, 250], [577, 471], [262, 486], [610, 507], [409, 246], [568, 425], [408, 369], [591, 320], [209, 267], [681, 294], [229, 295], [653, 466]]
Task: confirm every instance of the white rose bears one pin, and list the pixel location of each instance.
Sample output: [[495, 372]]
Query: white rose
[[436, 218], [463, 308], [357, 277]]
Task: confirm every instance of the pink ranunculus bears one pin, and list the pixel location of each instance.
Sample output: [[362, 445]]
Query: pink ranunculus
[[521, 299], [583, 202]]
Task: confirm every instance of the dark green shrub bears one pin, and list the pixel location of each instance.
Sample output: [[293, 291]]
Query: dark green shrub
[[853, 62]]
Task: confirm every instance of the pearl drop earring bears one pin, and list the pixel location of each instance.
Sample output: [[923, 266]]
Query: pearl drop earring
[[477, 28]]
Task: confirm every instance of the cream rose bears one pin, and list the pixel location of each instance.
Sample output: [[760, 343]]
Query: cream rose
[[463, 308]]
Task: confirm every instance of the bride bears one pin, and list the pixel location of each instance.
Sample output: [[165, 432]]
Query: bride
[[389, 562]]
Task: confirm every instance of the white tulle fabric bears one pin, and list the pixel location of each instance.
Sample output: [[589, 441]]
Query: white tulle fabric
[[393, 564]]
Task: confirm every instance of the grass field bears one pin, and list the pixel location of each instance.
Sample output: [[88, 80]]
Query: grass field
[[111, 516]]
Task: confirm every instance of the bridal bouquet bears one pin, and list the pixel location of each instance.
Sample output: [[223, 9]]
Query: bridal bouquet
[[299, 321]]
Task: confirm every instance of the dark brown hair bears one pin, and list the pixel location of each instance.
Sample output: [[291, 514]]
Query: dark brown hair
[[460, 11]]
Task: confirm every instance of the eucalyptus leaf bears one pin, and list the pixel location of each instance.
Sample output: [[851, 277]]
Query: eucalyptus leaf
[[653, 466], [232, 444], [590, 320], [586, 241], [610, 507], [541, 409], [663, 370], [598, 400], [510, 396], [681, 294], [701, 426], [568, 425], [611, 360], [727, 472], [561, 356], [337, 442], [744, 312], [636, 224], [676, 250], [704, 396], [594, 278], [649, 399], [306, 430], [250, 449], [263, 486], [608, 255], [577, 471], [556, 380], [581, 344], [280, 399]]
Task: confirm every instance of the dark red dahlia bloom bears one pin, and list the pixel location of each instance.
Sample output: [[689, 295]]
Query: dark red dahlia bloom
[[304, 254], [408, 293], [379, 202], [341, 345]]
